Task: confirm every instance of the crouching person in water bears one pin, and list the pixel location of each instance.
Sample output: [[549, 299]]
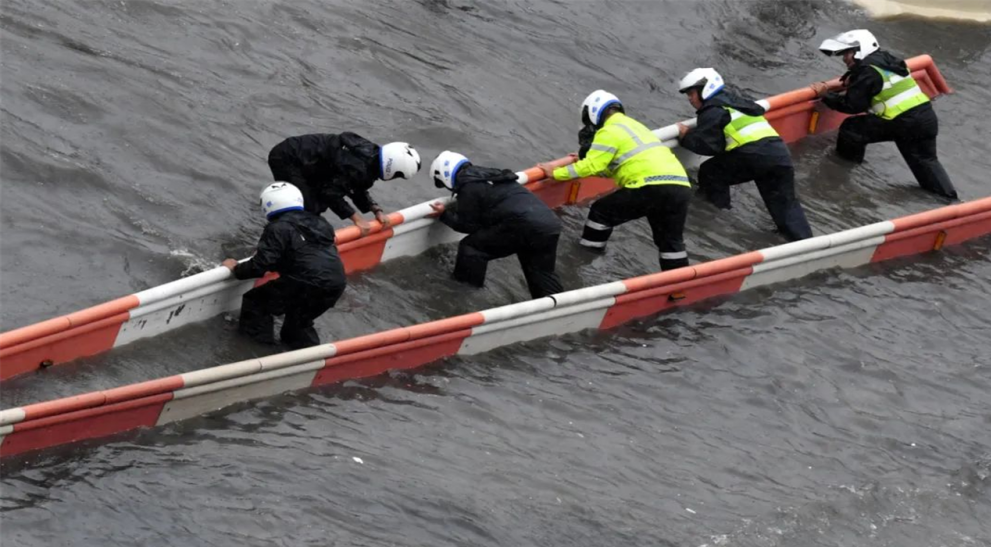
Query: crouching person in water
[[501, 219], [299, 245], [744, 147]]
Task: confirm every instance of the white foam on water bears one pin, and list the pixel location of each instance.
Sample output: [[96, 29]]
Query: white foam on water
[[965, 10]]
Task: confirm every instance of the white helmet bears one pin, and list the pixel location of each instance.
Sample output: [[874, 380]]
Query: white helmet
[[862, 40], [399, 159], [444, 169], [596, 103], [707, 79], [279, 198]]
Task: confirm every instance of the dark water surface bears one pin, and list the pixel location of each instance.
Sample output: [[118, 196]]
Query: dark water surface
[[846, 408]]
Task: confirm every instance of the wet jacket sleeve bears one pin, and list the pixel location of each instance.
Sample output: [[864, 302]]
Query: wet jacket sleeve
[[363, 200], [273, 244], [359, 153], [707, 137], [464, 215], [332, 195], [862, 86], [600, 154]]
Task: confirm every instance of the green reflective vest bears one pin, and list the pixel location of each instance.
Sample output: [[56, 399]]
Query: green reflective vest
[[899, 95], [743, 129], [626, 151]]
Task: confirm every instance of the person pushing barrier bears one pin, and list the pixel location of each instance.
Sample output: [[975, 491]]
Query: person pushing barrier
[[501, 219], [652, 182], [328, 168], [898, 110], [299, 246], [744, 147]]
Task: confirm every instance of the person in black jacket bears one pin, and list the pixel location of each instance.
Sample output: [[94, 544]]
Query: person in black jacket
[[299, 246], [745, 147], [328, 168], [501, 219], [881, 84]]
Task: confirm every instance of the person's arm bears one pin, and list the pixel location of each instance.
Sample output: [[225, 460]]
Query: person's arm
[[464, 214], [271, 247], [364, 201], [595, 162], [862, 86], [332, 195], [707, 137]]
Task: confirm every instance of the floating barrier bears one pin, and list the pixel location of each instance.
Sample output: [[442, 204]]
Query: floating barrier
[[176, 398], [161, 309]]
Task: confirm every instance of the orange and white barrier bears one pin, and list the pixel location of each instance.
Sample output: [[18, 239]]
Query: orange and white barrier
[[175, 398], [208, 294]]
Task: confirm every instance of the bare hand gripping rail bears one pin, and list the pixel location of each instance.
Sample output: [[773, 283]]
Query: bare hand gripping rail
[[176, 398], [202, 296]]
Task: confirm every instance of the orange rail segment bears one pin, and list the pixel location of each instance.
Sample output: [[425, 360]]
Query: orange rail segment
[[32, 332], [84, 424], [714, 267], [101, 311], [943, 213], [378, 339], [659, 279], [648, 302], [101, 398], [84, 328], [65, 322], [61, 406], [61, 347], [143, 389], [434, 328]]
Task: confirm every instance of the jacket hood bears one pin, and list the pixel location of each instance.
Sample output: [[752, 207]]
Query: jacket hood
[[474, 173], [310, 225], [884, 60], [734, 101]]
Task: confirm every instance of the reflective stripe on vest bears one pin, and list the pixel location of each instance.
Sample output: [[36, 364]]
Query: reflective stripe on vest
[[743, 129], [631, 168], [899, 95]]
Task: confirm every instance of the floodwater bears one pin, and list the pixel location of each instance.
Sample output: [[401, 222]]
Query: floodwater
[[845, 408]]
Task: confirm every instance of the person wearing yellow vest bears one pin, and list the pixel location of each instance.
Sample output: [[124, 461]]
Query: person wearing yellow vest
[[744, 147], [652, 182], [881, 85]]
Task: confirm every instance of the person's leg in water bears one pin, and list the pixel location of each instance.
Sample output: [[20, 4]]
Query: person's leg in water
[[538, 261], [617, 208], [476, 250], [667, 222], [777, 188], [303, 307], [258, 308]]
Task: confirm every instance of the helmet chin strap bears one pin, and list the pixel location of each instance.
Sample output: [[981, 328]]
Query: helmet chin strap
[[381, 164]]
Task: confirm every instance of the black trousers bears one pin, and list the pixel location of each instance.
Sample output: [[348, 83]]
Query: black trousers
[[666, 209], [914, 133], [536, 251], [776, 184], [299, 302], [285, 169]]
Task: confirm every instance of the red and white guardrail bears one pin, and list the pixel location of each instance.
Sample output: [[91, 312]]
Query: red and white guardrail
[[176, 398], [202, 296]]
